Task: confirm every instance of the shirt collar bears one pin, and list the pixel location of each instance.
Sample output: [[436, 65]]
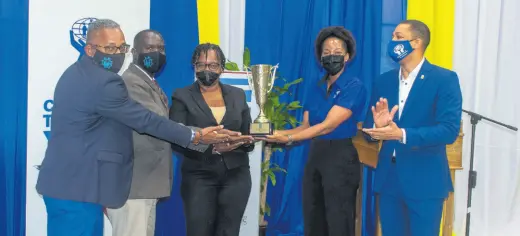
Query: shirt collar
[[342, 80], [146, 73], [412, 75]]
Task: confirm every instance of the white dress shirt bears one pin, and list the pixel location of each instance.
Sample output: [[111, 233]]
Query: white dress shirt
[[146, 73], [405, 85]]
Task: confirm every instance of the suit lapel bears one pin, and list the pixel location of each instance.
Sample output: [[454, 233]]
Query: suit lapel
[[141, 74], [415, 92], [201, 103], [393, 95], [228, 102], [164, 98]]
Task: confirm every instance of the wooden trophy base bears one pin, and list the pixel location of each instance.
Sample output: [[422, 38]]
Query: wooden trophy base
[[261, 130]]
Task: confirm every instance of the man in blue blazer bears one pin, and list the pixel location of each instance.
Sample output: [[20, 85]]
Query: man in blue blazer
[[412, 175], [89, 158]]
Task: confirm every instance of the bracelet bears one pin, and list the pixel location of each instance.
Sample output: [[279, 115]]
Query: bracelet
[[289, 136], [214, 151]]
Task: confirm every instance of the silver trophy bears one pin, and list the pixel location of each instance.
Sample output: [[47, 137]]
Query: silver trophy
[[261, 80]]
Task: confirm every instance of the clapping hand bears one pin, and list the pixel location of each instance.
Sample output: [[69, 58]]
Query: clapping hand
[[382, 116], [389, 132]]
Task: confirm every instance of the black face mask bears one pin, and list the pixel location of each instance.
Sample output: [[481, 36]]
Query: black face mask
[[207, 78], [110, 62], [152, 62], [333, 63]]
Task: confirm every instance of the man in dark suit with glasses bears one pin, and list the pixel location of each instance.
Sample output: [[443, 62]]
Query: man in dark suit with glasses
[[89, 159]]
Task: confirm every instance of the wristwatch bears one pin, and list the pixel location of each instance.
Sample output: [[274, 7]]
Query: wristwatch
[[290, 139]]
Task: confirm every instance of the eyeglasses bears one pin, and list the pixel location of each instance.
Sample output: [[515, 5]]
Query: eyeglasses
[[212, 66], [114, 49]]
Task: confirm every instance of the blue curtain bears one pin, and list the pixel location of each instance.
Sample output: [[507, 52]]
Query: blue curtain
[[177, 21], [13, 115], [284, 32], [394, 11]]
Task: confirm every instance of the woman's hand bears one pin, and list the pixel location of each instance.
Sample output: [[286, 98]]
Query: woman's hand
[[275, 138], [241, 138], [227, 147]]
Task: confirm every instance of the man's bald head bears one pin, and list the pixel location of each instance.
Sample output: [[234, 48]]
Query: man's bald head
[[148, 41], [106, 36], [146, 38], [95, 29]]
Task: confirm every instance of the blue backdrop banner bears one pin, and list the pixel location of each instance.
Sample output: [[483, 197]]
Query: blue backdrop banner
[[284, 32], [177, 21], [14, 26], [394, 11], [276, 32]]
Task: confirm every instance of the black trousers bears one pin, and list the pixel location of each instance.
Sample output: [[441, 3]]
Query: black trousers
[[214, 197], [330, 184]]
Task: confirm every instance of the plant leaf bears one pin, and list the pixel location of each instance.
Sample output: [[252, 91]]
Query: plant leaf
[[247, 57], [272, 177], [267, 209], [293, 121], [278, 168], [294, 105], [231, 66], [297, 81]]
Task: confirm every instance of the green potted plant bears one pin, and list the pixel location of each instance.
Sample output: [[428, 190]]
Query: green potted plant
[[279, 114]]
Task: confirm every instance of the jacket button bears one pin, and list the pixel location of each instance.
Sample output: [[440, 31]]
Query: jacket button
[[393, 160]]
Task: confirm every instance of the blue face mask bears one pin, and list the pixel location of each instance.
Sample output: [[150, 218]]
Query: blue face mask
[[399, 49]]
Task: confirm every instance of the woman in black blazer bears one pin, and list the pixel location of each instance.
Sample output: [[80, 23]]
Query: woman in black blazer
[[216, 184]]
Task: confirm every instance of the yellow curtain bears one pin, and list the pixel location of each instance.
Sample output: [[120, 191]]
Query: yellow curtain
[[207, 15], [439, 16]]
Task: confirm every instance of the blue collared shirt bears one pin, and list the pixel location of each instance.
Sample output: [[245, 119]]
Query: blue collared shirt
[[347, 92]]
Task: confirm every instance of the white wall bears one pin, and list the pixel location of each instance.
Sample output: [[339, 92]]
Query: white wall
[[50, 53], [487, 37], [231, 35]]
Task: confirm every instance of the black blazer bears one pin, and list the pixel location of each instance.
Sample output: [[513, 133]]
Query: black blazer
[[190, 108]]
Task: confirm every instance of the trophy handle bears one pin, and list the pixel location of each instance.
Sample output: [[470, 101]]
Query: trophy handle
[[273, 77]]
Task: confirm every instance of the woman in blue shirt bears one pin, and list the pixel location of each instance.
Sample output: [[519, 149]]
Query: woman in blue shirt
[[333, 107]]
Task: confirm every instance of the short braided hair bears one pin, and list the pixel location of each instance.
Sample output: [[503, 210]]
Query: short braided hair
[[204, 49]]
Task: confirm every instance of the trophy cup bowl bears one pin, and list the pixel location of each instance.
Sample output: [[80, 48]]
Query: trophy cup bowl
[[261, 80]]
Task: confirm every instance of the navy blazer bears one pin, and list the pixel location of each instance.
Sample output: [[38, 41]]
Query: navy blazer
[[431, 119], [89, 157]]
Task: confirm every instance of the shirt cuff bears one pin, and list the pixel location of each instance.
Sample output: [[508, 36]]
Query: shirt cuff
[[192, 135], [403, 140]]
